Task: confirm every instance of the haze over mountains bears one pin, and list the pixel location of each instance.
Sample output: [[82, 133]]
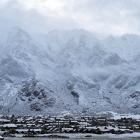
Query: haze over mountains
[[72, 71]]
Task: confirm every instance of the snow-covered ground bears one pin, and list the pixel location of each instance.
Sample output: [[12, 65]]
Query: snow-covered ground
[[119, 116], [87, 136]]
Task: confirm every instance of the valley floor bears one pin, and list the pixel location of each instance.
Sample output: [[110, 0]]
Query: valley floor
[[134, 136], [69, 127]]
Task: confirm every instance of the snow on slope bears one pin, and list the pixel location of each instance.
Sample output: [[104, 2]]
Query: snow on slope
[[67, 71]]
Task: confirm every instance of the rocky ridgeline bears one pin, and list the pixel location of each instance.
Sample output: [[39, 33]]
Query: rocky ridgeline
[[39, 126]]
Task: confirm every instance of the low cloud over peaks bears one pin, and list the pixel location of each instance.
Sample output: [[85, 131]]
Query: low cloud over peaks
[[103, 17]]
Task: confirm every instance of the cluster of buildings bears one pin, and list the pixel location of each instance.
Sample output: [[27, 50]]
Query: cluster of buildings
[[40, 125]]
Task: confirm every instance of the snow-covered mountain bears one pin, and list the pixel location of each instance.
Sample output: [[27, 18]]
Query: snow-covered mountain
[[70, 71]]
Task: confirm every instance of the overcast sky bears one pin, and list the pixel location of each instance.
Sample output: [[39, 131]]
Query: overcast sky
[[101, 16]]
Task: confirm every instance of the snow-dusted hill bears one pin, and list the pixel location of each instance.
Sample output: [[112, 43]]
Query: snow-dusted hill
[[70, 71]]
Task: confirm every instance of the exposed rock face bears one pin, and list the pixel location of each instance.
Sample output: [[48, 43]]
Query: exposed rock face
[[35, 106], [36, 95], [32, 89], [76, 96], [135, 95]]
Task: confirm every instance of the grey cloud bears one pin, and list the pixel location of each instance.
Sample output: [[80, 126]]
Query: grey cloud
[[101, 16], [13, 13], [112, 16]]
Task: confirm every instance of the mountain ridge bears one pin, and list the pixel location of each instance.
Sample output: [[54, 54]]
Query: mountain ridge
[[71, 72]]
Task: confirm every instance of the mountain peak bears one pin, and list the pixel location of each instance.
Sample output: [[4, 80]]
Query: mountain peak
[[19, 35]]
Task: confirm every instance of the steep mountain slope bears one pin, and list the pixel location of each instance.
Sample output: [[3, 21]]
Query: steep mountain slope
[[67, 71]]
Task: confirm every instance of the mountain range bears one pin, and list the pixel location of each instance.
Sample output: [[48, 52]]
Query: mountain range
[[68, 71]]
